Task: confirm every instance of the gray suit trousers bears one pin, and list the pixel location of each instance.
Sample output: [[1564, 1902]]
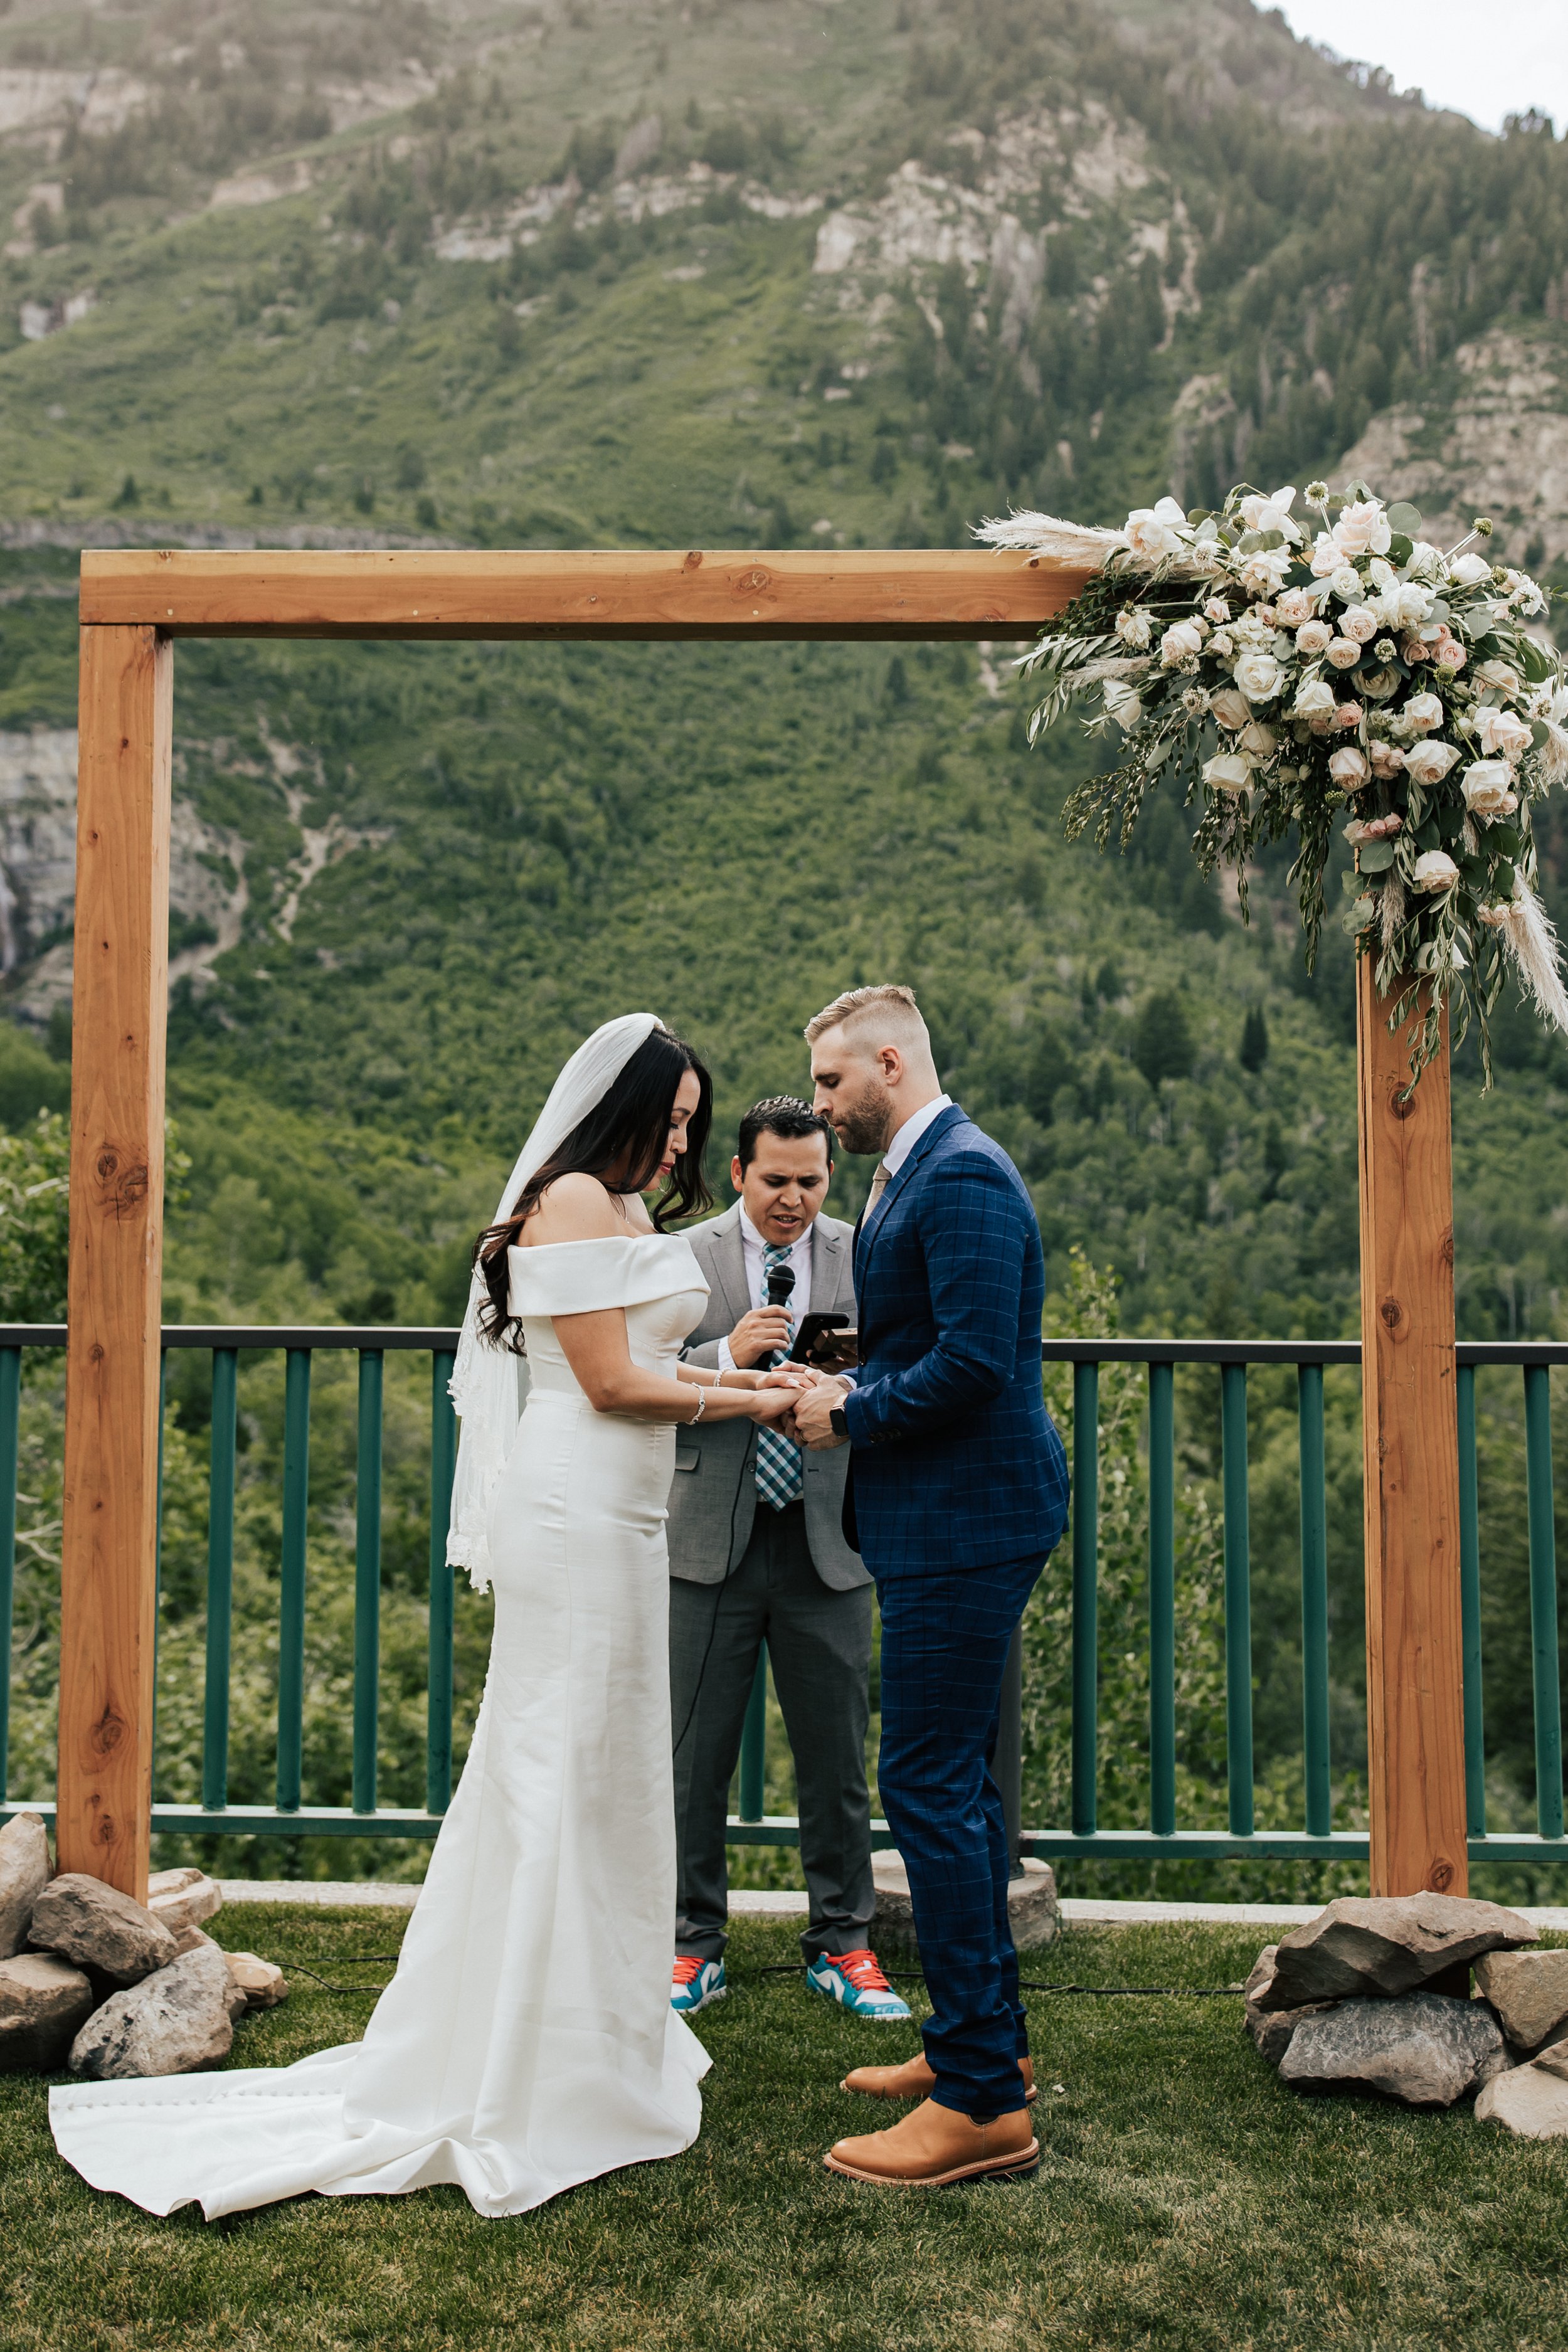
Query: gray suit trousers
[[819, 1642]]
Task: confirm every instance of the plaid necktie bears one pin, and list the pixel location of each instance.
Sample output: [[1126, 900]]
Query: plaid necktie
[[780, 1477]]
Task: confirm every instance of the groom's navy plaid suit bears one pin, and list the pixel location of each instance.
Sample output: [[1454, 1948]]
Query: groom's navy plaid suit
[[958, 1491]]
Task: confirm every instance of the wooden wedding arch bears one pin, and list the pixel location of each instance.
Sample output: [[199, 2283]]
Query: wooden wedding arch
[[133, 606]]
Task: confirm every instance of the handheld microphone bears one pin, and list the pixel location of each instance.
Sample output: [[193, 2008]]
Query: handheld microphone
[[779, 1283]]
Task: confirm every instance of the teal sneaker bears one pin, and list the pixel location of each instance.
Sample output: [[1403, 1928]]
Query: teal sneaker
[[696, 1983], [855, 1980]]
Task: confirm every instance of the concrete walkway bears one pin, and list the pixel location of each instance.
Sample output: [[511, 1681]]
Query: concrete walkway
[[753, 1902]]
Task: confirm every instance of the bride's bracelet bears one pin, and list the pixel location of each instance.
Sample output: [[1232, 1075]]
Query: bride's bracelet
[[701, 1407]]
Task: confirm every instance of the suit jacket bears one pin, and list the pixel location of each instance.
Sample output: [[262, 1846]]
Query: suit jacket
[[956, 1462], [714, 1493]]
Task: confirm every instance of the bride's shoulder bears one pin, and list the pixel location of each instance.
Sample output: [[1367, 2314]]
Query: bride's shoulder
[[575, 1208]]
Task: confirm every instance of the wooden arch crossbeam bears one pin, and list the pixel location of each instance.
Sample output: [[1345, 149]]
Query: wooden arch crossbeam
[[134, 604]]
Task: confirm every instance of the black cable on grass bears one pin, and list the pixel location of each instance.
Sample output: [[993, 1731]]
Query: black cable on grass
[[1032, 1984], [344, 1960]]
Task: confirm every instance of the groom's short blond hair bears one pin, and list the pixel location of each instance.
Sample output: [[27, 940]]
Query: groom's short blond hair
[[890, 1012]]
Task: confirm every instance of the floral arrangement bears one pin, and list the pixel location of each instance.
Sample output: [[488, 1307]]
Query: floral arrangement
[[1339, 671]]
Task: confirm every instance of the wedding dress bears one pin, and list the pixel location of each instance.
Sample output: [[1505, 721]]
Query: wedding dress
[[526, 2041]]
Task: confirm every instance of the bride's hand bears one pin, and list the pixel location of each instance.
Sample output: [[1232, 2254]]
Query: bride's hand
[[787, 1376], [772, 1404]]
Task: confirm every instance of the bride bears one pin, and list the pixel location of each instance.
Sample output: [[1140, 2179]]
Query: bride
[[526, 2041]]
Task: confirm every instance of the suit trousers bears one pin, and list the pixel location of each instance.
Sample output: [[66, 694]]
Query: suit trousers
[[944, 1647], [819, 1641]]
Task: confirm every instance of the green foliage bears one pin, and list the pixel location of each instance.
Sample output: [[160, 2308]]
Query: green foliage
[[1253, 1051], [34, 1171], [1163, 1044]]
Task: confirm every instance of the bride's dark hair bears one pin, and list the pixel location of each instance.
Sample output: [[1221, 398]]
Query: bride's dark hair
[[621, 1143]]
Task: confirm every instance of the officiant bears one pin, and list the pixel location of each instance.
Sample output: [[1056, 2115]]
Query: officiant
[[757, 1554]]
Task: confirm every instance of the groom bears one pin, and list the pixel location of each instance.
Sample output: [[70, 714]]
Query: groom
[[957, 1493]]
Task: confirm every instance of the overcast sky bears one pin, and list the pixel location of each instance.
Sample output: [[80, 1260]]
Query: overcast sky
[[1488, 61]]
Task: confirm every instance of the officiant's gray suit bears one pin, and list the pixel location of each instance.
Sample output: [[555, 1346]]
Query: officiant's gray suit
[[741, 1573]]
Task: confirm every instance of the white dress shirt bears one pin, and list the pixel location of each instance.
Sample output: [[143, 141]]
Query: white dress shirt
[[909, 1134], [799, 1264]]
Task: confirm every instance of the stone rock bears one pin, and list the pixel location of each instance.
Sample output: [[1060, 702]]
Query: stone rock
[[1428, 2049], [1031, 1905], [43, 2001], [183, 1898], [1271, 2029], [1386, 1944], [1529, 1992], [1530, 2100], [177, 2019], [99, 1928], [24, 1875], [191, 1939], [261, 1981]]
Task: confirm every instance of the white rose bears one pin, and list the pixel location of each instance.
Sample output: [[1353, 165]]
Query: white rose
[[1181, 641], [1133, 629], [1387, 760], [1257, 738], [1271, 513], [1362, 528], [1228, 771], [1121, 704], [1357, 621], [1525, 593], [1502, 730], [1435, 870], [1263, 570], [1258, 676], [1315, 699], [1379, 684], [1429, 763], [1469, 571], [1326, 556], [1230, 709], [1152, 532], [1294, 607], [1348, 768], [1313, 638], [1489, 788], [1425, 711], [1425, 561], [1503, 676], [1406, 604], [1346, 584], [1343, 652]]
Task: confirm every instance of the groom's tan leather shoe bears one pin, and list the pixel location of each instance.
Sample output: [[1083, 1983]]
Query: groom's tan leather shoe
[[913, 2080], [934, 2146]]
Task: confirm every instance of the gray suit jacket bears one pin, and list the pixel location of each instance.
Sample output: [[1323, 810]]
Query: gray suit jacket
[[714, 1493]]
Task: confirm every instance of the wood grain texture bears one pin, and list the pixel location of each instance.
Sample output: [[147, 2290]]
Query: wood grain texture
[[120, 1005], [865, 593], [1415, 1666]]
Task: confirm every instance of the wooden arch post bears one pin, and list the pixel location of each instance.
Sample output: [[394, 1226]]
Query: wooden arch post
[[134, 604]]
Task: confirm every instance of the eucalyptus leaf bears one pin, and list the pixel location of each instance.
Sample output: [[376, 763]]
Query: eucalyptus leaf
[[1376, 856], [1404, 517], [1535, 660], [1399, 549]]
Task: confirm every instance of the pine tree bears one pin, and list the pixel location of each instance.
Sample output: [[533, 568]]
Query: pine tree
[[1254, 1040]]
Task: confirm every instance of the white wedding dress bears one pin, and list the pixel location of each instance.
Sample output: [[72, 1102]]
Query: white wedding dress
[[526, 2041]]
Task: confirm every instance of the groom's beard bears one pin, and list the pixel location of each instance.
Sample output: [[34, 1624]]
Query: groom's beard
[[864, 1125]]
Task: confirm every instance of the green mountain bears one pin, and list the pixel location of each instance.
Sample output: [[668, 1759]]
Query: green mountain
[[736, 272]]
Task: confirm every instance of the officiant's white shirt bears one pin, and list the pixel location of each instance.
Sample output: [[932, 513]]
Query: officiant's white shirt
[[799, 1264]]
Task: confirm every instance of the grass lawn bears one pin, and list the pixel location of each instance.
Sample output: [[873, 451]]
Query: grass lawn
[[1186, 2200]]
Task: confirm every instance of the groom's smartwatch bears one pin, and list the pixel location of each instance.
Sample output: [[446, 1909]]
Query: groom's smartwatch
[[837, 1422]]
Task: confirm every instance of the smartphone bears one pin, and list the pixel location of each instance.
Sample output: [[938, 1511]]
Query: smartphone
[[813, 1330]]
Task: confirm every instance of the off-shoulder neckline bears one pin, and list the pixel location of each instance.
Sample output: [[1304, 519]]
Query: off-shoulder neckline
[[592, 1241]]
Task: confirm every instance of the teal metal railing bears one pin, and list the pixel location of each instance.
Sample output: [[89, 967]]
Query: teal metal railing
[[296, 1811]]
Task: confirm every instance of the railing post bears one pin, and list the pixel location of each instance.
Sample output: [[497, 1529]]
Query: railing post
[[120, 995], [1237, 1598], [754, 1743], [1085, 1598], [1471, 1608], [1543, 1601], [367, 1581], [1314, 1601], [1415, 1641], [438, 1701], [1007, 1767], [292, 1567], [1162, 1600], [220, 1579]]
